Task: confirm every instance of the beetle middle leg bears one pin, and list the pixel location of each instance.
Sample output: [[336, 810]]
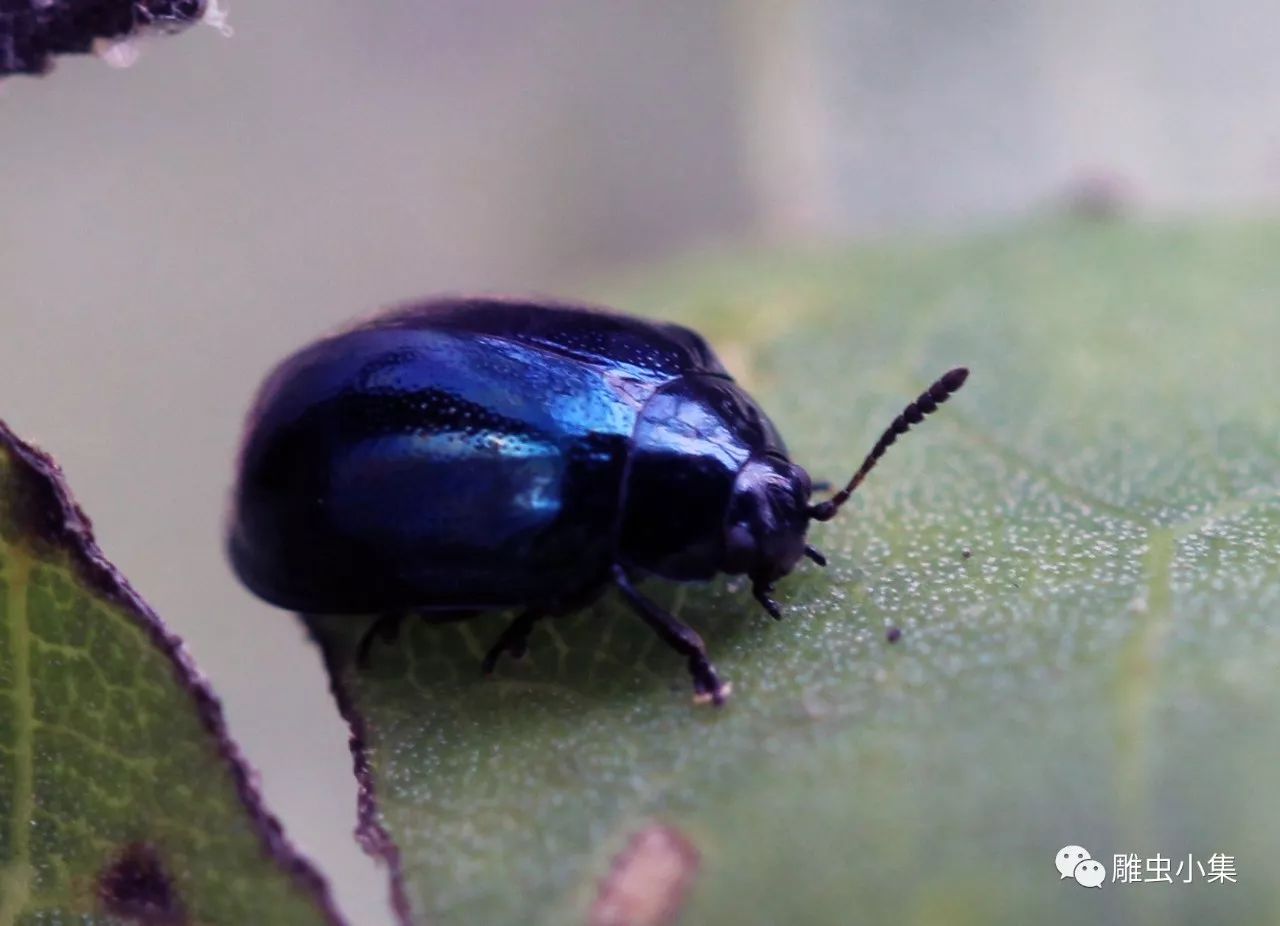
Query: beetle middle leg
[[680, 637], [513, 640]]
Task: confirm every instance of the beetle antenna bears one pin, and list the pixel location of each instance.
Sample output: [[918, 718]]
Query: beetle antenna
[[928, 402]]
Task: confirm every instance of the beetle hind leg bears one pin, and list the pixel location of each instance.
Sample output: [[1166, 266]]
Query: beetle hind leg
[[514, 640], [707, 686]]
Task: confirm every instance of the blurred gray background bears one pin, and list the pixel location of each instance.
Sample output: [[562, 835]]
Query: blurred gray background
[[168, 231]]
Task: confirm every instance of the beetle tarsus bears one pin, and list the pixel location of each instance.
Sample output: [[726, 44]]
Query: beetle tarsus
[[385, 628], [716, 695], [815, 555], [513, 641], [707, 686], [761, 593]]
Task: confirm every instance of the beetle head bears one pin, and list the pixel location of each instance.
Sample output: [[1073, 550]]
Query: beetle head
[[770, 511], [767, 519]]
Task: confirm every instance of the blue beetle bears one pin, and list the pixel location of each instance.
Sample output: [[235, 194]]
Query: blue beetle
[[466, 455]]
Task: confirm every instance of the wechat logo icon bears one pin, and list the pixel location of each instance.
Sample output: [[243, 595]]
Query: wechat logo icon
[[1076, 862]]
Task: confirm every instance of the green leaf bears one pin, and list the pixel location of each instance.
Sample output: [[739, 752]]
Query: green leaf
[[121, 797], [1080, 551]]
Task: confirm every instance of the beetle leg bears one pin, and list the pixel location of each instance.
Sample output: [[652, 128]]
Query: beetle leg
[[387, 627], [680, 637], [513, 640], [815, 555], [761, 592]]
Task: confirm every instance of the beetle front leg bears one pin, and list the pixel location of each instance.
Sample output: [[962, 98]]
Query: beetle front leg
[[762, 592], [513, 640], [680, 637]]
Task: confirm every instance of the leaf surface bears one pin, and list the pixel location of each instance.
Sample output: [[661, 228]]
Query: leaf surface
[[122, 800], [1080, 553]]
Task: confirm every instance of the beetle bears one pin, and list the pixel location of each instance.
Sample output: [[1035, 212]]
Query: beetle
[[463, 455]]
